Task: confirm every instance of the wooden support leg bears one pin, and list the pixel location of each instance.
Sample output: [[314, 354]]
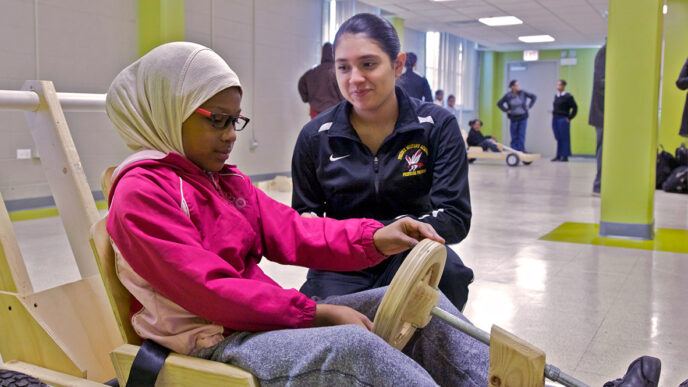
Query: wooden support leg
[[64, 172], [514, 362]]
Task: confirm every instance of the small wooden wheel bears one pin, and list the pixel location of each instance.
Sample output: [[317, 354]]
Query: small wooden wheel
[[411, 295], [512, 159]]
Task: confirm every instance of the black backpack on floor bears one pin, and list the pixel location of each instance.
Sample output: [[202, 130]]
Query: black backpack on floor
[[682, 155], [677, 181], [665, 164]]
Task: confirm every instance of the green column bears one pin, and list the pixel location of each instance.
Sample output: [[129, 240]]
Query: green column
[[630, 120], [675, 53], [160, 21], [486, 102], [398, 24]]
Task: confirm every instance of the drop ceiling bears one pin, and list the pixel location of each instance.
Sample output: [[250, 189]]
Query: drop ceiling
[[573, 23]]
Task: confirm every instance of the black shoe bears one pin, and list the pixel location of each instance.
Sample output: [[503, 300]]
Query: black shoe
[[564, 159], [556, 159], [643, 372]]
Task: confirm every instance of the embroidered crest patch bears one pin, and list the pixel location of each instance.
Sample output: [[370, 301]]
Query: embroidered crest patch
[[415, 156]]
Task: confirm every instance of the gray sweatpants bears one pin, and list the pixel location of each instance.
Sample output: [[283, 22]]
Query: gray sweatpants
[[348, 355]]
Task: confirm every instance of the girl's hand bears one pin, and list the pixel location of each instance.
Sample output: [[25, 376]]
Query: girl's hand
[[403, 235], [327, 315]]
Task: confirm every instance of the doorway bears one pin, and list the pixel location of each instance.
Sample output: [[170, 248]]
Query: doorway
[[539, 78]]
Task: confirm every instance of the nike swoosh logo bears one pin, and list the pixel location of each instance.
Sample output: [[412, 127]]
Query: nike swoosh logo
[[332, 158]]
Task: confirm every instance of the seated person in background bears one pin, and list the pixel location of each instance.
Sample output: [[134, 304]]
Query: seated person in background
[[476, 138], [189, 231]]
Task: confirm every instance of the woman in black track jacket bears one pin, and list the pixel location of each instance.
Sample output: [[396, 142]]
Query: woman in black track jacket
[[380, 154]]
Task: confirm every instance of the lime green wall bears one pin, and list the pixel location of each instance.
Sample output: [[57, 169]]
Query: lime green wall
[[675, 53], [159, 21], [398, 24], [579, 79]]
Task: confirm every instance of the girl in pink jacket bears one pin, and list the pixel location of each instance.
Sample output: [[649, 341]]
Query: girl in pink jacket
[[189, 231]]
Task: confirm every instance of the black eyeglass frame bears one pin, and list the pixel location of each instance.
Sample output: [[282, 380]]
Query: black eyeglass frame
[[222, 120]]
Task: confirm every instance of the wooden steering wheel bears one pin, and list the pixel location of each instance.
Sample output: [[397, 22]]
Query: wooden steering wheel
[[412, 295]]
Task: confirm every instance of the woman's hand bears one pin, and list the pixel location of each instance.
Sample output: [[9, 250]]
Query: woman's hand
[[402, 235], [326, 315]]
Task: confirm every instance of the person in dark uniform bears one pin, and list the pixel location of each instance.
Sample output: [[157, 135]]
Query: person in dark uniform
[[596, 117], [383, 155], [564, 108], [414, 84], [682, 83]]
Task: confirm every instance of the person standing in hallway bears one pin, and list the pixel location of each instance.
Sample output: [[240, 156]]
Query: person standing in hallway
[[439, 97], [414, 84], [318, 86], [596, 117], [682, 83], [451, 102], [514, 104], [563, 111]]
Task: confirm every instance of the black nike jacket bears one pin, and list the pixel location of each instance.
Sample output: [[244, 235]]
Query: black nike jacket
[[419, 171]]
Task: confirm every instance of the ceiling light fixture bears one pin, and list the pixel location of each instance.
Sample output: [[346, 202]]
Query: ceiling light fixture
[[664, 9], [536, 38], [500, 21]]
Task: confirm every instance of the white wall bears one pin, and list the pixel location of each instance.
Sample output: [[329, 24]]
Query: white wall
[[83, 44], [270, 44], [80, 45]]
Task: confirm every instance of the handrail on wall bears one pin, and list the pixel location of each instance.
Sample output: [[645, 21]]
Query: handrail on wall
[[29, 101]]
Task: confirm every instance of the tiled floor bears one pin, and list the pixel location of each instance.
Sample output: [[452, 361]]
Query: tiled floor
[[592, 309]]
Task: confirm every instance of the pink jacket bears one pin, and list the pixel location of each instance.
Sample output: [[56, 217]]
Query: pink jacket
[[188, 244]]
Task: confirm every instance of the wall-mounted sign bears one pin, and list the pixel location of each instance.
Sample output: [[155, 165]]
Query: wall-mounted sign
[[530, 55], [569, 61]]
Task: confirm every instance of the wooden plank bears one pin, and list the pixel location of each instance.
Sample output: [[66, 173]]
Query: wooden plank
[[528, 157], [14, 277], [118, 295], [64, 172], [78, 314], [180, 370], [23, 338], [514, 362], [47, 376]]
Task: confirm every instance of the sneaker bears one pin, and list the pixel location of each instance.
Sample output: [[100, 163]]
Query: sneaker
[[643, 372]]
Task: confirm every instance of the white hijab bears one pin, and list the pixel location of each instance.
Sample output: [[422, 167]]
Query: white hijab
[[150, 99]]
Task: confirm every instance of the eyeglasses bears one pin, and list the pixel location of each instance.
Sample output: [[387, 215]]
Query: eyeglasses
[[222, 120]]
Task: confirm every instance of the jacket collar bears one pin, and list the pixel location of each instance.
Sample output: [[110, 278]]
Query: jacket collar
[[172, 160], [406, 121]]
